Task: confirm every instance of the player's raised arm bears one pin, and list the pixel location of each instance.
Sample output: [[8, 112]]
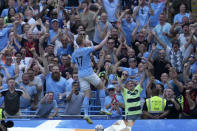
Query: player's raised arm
[[97, 47]]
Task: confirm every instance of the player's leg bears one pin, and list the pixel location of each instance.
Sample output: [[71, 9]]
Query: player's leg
[[86, 101], [101, 89], [96, 81], [86, 105], [85, 86]]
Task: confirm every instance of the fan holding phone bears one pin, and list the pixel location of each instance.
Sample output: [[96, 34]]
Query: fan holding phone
[[114, 103]]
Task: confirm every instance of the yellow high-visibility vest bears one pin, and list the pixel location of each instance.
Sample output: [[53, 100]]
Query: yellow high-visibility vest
[[181, 101], [156, 104], [1, 114]]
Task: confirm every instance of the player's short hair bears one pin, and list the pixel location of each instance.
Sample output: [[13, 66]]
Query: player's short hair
[[79, 40]]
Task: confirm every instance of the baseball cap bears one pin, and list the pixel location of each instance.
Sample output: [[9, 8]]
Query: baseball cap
[[110, 87]]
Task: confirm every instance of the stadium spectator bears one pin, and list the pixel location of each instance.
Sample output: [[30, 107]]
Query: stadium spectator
[[162, 30], [189, 93], [88, 19], [132, 70], [10, 18], [55, 83], [111, 7], [35, 81], [28, 104], [114, 103], [178, 17], [128, 25], [158, 7], [4, 30], [65, 63], [74, 100], [191, 98], [11, 4], [155, 107], [101, 28], [46, 106], [131, 94], [160, 63], [12, 69], [172, 104], [142, 13], [67, 47], [3, 86], [12, 98]]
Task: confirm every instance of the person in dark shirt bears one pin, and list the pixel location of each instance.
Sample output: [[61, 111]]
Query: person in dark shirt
[[73, 3], [29, 43], [136, 44], [191, 96], [12, 98], [160, 65], [189, 93], [172, 104]]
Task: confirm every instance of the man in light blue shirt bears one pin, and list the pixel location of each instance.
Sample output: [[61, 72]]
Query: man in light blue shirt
[[66, 48], [4, 34], [81, 57], [102, 27], [54, 31], [114, 103], [11, 68], [111, 7], [142, 13], [26, 104], [162, 30], [179, 17], [55, 83], [128, 25], [132, 70], [158, 8]]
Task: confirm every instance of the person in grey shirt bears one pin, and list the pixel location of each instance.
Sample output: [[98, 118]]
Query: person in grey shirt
[[46, 106], [74, 100]]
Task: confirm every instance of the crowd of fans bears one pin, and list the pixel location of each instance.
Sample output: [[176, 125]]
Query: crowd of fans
[[147, 61]]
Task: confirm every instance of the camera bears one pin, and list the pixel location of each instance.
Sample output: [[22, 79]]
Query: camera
[[4, 125]]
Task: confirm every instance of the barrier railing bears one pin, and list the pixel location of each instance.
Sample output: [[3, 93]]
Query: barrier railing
[[106, 117]]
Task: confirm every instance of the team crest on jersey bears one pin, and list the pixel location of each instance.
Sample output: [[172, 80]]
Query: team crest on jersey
[[132, 93]]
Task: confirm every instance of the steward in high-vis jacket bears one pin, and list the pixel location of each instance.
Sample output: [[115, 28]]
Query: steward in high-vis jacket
[[155, 107]]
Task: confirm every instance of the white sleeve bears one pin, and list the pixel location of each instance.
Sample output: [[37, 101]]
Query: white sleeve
[[182, 49], [38, 81], [58, 45]]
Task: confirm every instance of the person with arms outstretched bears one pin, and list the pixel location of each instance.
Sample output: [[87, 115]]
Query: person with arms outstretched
[[81, 57]]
